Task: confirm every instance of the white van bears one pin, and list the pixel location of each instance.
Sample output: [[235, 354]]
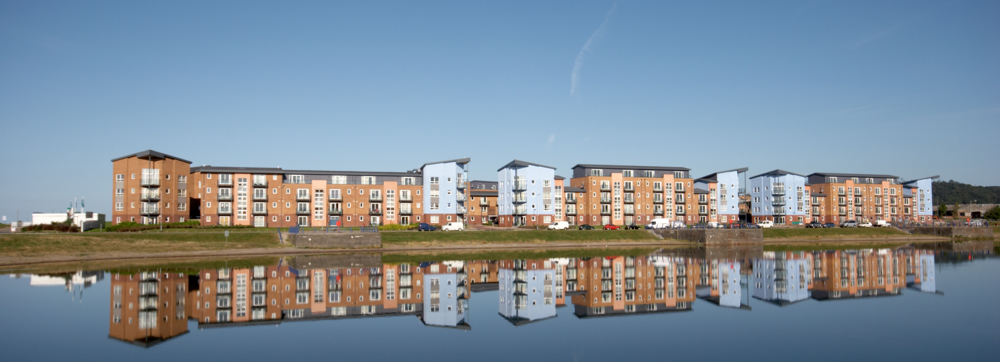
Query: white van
[[882, 223], [659, 223], [559, 225], [766, 224], [453, 226]]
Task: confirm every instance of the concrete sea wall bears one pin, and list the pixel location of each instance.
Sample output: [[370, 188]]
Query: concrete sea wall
[[336, 240]]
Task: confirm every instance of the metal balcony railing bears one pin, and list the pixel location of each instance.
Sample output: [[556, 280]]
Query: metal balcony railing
[[150, 196], [225, 197], [302, 196], [374, 197], [520, 186], [149, 181], [302, 210], [336, 211], [225, 211]]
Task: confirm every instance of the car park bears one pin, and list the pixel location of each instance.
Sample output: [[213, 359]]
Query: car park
[[453, 226], [814, 225], [585, 227], [658, 223], [559, 225], [611, 227], [849, 224], [426, 227]]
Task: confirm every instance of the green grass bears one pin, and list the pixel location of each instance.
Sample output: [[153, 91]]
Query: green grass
[[79, 244], [394, 258], [526, 236], [802, 233]]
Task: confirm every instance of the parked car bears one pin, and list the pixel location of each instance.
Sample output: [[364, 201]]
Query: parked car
[[882, 224], [713, 225], [658, 223], [453, 226], [426, 227], [585, 227], [632, 227], [766, 224], [849, 224], [814, 225], [611, 227], [829, 225], [559, 225], [866, 224]]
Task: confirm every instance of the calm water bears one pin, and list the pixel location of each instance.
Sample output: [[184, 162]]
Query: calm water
[[919, 303]]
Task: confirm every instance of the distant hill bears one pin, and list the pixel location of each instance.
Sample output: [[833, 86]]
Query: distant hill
[[949, 192]]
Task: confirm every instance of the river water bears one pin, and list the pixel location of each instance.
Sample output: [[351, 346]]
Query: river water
[[923, 302]]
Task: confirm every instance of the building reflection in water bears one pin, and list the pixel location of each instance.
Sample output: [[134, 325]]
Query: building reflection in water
[[154, 306]]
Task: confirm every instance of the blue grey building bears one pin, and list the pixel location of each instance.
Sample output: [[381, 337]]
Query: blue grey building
[[918, 199], [526, 194], [527, 292], [781, 278], [780, 196], [721, 200], [444, 190], [447, 296]]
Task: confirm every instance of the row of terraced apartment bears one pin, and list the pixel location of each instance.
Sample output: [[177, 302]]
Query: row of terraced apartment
[[152, 187], [789, 198]]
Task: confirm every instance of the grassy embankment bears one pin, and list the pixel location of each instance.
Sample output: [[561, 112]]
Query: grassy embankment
[[832, 233], [467, 238], [111, 244]]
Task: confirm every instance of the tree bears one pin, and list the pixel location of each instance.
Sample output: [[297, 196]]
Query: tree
[[942, 209], [993, 214], [954, 213]]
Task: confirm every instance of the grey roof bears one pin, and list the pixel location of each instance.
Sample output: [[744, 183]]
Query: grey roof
[[485, 182], [573, 189], [457, 160], [210, 168], [859, 175], [353, 173], [818, 194], [713, 176], [700, 191], [150, 153], [666, 168], [560, 177], [478, 192], [778, 172], [519, 163], [520, 321], [922, 178]]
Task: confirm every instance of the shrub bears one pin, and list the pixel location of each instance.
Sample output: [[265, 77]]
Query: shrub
[[398, 227], [57, 227]]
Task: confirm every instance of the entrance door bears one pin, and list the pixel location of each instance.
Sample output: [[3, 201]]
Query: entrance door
[[405, 220], [628, 220], [375, 220], [605, 220], [303, 221], [224, 220], [259, 221]]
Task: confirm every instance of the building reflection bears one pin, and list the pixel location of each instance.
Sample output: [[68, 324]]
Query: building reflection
[[153, 306], [783, 278]]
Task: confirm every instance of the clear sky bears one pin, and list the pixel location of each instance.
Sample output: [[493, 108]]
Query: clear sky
[[909, 88]]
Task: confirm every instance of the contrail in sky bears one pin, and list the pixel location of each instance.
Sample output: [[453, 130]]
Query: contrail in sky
[[578, 63]]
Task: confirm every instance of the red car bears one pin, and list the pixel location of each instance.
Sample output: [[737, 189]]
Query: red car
[[611, 227]]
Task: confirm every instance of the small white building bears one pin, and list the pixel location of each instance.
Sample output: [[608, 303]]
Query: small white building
[[85, 220]]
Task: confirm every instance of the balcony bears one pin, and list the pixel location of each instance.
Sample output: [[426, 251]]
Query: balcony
[[406, 211], [605, 200], [519, 199], [460, 197], [150, 182], [225, 182], [629, 199], [658, 212], [150, 196], [304, 197], [841, 192], [629, 211], [570, 200], [605, 187], [571, 212], [336, 211], [703, 211], [259, 183], [520, 211], [260, 211], [460, 210], [843, 212], [375, 211], [842, 202], [338, 197], [483, 201], [520, 185], [702, 201], [629, 187], [375, 197], [606, 212], [680, 200], [225, 211], [778, 202], [778, 191], [779, 211], [149, 209], [680, 211], [260, 196], [302, 211], [225, 197], [460, 184]]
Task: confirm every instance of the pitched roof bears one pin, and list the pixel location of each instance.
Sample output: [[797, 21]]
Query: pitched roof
[[573, 189], [778, 172], [859, 175], [150, 153], [457, 160], [922, 178], [519, 163], [663, 168], [560, 177], [713, 176], [209, 168]]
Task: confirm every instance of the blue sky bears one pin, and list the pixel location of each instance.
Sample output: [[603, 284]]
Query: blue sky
[[910, 88]]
